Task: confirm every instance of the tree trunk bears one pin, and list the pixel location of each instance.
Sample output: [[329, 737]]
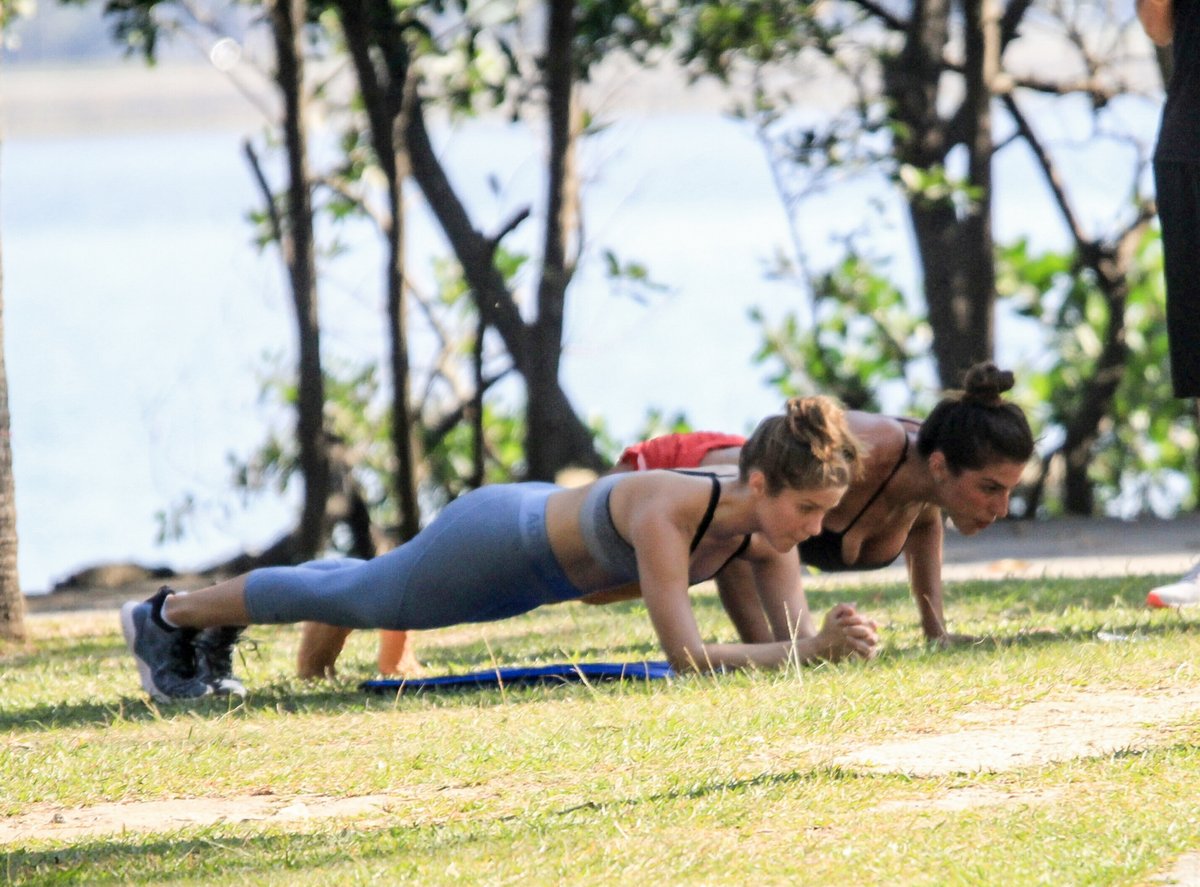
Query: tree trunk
[[556, 435], [287, 21], [404, 441], [387, 92], [1110, 266], [955, 250], [949, 260], [1082, 427], [12, 601], [475, 410], [547, 435], [977, 295]]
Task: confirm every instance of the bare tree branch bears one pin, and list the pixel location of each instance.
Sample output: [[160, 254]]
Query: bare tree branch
[[1094, 87], [1014, 14], [454, 416], [265, 189], [508, 227], [1049, 171], [876, 11]]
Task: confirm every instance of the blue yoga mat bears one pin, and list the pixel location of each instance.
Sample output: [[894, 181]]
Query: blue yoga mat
[[510, 676]]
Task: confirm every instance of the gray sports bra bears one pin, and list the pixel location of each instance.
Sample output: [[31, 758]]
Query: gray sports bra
[[612, 552]]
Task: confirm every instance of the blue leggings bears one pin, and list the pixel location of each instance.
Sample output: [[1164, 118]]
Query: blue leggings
[[485, 557]]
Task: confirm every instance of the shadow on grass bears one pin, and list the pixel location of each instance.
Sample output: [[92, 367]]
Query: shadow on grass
[[1127, 633], [293, 697], [824, 774], [345, 697], [108, 655], [64, 650], [200, 856]]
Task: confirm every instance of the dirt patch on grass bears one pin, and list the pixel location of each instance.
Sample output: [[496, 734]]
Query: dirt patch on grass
[[50, 821], [992, 739], [1185, 872]]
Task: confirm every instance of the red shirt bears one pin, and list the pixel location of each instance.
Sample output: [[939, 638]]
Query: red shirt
[[677, 450]]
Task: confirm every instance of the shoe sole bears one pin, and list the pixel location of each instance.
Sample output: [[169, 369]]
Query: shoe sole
[[227, 687], [144, 673], [1158, 601]]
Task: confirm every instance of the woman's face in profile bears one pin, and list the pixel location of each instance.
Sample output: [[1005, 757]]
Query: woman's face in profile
[[791, 516], [975, 498]]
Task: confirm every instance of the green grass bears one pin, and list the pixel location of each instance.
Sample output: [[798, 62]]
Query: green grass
[[699, 780]]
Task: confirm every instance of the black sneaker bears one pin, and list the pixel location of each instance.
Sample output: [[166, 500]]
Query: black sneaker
[[166, 656], [214, 659]]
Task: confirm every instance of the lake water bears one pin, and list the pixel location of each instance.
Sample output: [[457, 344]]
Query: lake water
[[137, 308]]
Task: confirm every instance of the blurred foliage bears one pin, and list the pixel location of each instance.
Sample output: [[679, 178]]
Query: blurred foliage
[[11, 10], [357, 416], [862, 340], [1145, 458]]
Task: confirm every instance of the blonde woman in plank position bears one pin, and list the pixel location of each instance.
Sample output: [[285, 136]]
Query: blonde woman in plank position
[[503, 550]]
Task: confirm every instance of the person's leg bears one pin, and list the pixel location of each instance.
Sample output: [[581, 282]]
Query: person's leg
[[485, 557], [1178, 195], [320, 643], [215, 649], [165, 654], [217, 605], [396, 654], [1177, 186], [736, 588], [183, 642], [473, 563], [468, 565], [320, 646]]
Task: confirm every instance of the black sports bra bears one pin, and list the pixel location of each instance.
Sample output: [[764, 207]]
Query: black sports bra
[[824, 551]]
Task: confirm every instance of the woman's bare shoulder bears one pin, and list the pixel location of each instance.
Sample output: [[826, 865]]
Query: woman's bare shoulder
[[883, 436]]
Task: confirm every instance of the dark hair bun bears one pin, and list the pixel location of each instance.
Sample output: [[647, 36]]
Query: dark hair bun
[[984, 383], [976, 426]]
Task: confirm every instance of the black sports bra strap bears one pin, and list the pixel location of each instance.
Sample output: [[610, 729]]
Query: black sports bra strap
[[713, 499], [879, 490]]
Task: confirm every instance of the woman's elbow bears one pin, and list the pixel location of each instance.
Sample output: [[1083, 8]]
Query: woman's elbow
[[1158, 20], [1161, 35]]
